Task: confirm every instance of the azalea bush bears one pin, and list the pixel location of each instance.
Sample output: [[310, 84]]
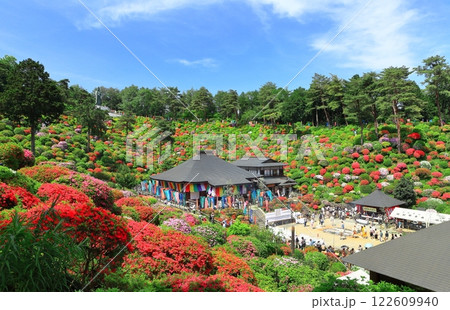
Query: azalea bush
[[60, 194], [11, 155], [230, 264], [159, 252], [97, 190], [178, 225], [212, 283], [104, 235], [45, 173], [213, 234]]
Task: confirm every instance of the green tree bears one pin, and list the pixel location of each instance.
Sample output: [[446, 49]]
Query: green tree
[[335, 93], [404, 191], [7, 64], [87, 113], [111, 97], [227, 103], [129, 97], [356, 102], [293, 109], [369, 87], [398, 97], [31, 97], [437, 80], [126, 122], [270, 97], [318, 98], [202, 103], [170, 99]]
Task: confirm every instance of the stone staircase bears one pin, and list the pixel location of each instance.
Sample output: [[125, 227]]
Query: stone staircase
[[259, 216]]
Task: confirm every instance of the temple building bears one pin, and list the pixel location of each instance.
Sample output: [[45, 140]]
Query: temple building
[[209, 181], [270, 172]]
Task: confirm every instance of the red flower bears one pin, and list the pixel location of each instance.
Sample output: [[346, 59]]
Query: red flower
[[414, 135], [379, 158]]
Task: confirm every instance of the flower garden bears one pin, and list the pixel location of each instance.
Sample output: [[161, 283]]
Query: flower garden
[[81, 207]]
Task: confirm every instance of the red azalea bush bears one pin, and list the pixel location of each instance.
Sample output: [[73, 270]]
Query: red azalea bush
[[348, 188], [436, 174], [159, 252], [97, 190], [419, 154], [232, 265], [8, 198], [105, 234], [355, 165], [379, 158], [213, 283], [398, 175], [346, 170], [45, 173], [132, 202], [414, 135], [26, 199], [63, 194]]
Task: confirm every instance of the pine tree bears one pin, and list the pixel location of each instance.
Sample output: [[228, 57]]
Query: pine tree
[[404, 191]]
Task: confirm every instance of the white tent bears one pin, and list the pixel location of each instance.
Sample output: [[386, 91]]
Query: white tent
[[429, 216]]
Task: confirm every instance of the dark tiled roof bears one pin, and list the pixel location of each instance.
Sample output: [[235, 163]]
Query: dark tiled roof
[[378, 199], [257, 162], [421, 258], [206, 168], [278, 180]]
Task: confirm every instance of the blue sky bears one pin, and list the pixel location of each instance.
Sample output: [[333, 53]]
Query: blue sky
[[221, 44]]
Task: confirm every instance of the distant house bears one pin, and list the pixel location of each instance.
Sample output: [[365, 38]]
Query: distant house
[[377, 203], [269, 171], [420, 260]]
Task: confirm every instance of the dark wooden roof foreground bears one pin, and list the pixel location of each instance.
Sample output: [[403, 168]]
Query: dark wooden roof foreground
[[206, 168], [421, 258], [378, 199]]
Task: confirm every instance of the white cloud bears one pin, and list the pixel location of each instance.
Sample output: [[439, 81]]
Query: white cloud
[[113, 12], [205, 62], [379, 37]]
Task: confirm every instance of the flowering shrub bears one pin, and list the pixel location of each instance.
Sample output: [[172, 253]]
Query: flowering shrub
[[379, 158], [11, 155], [179, 225], [422, 173], [25, 199], [45, 173], [63, 194], [7, 197], [132, 202], [160, 252], [104, 234], [238, 228], [97, 190], [28, 159], [232, 265], [190, 219], [213, 283], [213, 234], [243, 246]]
